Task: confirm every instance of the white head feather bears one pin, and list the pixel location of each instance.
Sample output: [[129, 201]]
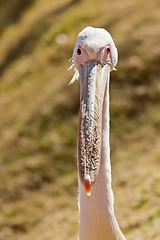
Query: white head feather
[[93, 43]]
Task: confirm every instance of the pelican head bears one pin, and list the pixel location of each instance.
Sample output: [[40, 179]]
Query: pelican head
[[94, 56]]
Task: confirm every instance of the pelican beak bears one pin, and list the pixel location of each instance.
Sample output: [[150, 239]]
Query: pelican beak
[[93, 78]]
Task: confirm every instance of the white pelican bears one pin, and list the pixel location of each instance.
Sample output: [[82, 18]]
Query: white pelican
[[94, 56]]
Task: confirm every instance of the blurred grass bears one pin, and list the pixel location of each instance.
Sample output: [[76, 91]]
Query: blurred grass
[[39, 116]]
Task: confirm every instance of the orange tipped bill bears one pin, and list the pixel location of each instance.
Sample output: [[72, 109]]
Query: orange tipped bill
[[93, 84]]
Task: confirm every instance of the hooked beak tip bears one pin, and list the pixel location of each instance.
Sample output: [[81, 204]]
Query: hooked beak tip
[[87, 184]]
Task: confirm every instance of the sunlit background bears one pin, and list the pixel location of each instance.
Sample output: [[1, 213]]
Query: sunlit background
[[39, 116]]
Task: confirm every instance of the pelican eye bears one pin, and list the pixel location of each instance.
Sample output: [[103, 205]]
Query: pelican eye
[[79, 51], [108, 50]]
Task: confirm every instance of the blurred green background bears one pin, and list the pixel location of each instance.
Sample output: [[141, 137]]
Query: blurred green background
[[39, 116]]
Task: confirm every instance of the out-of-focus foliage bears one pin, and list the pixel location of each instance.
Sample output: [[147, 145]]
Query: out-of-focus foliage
[[39, 116]]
